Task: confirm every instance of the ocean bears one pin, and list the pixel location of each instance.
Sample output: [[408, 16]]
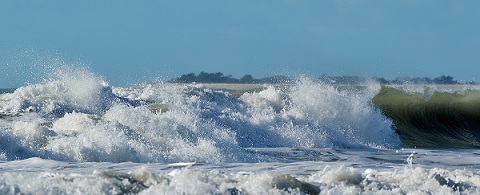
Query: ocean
[[73, 133]]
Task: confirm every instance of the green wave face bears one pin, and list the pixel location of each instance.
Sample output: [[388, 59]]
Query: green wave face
[[433, 119]]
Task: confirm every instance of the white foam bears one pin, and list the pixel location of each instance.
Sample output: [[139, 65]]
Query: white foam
[[319, 115], [67, 90], [79, 118], [46, 177]]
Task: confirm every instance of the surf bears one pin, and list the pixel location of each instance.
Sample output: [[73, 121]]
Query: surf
[[306, 137], [75, 115]]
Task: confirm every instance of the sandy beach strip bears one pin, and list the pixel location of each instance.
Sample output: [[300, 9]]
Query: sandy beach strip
[[230, 86]]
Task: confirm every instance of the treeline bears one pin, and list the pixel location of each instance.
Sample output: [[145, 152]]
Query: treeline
[[442, 80], [204, 77]]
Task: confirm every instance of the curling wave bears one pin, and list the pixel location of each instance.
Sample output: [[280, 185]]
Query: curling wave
[[433, 118]]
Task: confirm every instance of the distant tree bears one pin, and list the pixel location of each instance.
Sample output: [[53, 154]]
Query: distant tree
[[230, 79], [444, 80], [186, 78], [247, 79], [204, 77]]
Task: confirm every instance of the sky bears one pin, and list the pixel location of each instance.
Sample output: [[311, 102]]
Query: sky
[[128, 42]]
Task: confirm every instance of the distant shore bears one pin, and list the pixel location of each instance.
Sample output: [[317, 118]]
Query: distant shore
[[231, 86], [246, 87]]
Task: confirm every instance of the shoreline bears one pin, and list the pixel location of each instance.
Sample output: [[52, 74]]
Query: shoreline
[[230, 86], [246, 87]]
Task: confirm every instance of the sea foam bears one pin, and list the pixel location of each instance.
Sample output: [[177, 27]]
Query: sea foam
[[76, 116]]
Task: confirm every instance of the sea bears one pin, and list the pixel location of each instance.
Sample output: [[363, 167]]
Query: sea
[[73, 133]]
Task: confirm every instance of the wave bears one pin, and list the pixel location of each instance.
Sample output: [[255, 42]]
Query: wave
[[77, 116], [431, 117]]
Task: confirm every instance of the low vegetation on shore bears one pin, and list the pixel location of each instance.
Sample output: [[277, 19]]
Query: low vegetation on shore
[[204, 77]]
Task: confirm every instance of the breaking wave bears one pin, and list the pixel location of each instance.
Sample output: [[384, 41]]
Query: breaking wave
[[433, 117], [77, 116]]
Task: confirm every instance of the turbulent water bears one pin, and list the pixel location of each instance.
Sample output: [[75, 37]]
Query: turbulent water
[[75, 134]]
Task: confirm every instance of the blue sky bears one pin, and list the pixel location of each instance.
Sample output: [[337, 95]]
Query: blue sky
[[135, 41]]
